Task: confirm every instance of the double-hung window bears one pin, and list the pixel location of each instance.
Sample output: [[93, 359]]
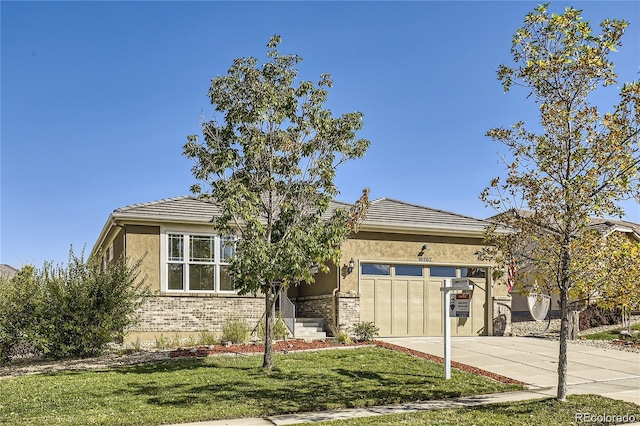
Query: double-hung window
[[197, 262]]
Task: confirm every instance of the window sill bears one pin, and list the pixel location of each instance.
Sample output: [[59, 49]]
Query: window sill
[[165, 293]]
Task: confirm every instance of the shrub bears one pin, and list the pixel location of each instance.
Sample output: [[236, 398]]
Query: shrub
[[161, 342], [344, 338], [364, 331], [280, 329], [207, 339], [69, 311], [595, 316], [236, 332], [18, 302]]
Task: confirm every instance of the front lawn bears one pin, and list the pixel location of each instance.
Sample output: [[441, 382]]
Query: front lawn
[[221, 387], [578, 409]]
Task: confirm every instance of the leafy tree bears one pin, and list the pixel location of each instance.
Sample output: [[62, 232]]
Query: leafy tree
[[611, 271], [270, 166], [577, 163], [18, 302], [68, 311]]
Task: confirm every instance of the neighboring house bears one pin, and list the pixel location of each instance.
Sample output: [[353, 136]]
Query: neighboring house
[[519, 306], [390, 273], [7, 271]]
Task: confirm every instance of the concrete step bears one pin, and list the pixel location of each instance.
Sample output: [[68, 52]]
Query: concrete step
[[311, 328]]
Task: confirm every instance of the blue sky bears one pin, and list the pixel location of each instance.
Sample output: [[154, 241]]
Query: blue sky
[[97, 99]]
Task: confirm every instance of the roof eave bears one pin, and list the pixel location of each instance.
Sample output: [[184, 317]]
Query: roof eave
[[404, 229]]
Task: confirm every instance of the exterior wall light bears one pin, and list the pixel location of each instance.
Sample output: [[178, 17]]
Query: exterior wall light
[[352, 264]]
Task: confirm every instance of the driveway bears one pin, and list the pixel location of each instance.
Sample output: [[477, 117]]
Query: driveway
[[607, 372]]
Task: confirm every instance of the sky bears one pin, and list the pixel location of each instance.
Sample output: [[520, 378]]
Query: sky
[[97, 99]]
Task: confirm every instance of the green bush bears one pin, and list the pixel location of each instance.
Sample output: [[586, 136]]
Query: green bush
[[71, 311], [19, 298], [235, 332], [364, 331], [207, 339], [344, 338], [280, 329]]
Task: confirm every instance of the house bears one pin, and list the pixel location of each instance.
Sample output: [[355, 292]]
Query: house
[[7, 271], [391, 271], [519, 305]]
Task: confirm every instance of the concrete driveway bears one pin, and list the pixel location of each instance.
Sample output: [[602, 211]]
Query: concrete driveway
[[607, 372]]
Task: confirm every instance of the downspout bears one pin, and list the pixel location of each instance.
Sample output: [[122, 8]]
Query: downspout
[[489, 301], [334, 301]]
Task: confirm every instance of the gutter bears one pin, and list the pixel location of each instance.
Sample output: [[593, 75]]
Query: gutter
[[103, 234]]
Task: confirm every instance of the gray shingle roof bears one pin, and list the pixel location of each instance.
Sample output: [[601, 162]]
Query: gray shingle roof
[[185, 208], [387, 212], [384, 213], [610, 225], [7, 271]]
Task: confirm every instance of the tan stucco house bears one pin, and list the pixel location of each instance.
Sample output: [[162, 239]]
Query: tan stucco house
[[519, 303], [391, 271], [7, 271]]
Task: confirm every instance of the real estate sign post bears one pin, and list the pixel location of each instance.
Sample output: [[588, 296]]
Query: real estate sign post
[[459, 307]]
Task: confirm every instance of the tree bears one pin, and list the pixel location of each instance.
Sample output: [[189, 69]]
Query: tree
[[611, 272], [577, 163], [270, 167], [67, 311]]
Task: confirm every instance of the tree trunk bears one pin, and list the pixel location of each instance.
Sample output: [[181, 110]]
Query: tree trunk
[[268, 324], [564, 334], [574, 325]]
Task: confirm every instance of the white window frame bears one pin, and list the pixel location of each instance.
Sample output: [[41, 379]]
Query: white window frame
[[186, 261]]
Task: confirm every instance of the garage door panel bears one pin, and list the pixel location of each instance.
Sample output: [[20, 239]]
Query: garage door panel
[[415, 308], [412, 306], [399, 307], [367, 300], [383, 312], [434, 308]]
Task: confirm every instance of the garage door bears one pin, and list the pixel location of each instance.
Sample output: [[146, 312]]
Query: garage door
[[403, 300]]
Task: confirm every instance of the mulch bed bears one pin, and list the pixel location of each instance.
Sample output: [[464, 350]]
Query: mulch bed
[[301, 345]]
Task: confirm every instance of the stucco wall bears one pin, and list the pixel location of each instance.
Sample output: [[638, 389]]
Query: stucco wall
[[324, 284], [373, 246], [143, 242]]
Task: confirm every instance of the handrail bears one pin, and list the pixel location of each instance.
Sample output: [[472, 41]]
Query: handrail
[[287, 311]]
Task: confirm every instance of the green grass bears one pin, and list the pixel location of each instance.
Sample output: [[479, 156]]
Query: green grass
[[228, 387], [535, 412], [608, 335]]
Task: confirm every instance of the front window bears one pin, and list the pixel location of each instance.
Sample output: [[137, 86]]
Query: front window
[[198, 262], [376, 269]]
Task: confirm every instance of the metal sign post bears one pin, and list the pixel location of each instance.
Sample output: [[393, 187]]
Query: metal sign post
[[449, 305], [447, 329]]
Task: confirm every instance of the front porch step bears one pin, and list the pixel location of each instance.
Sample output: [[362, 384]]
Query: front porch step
[[310, 328]]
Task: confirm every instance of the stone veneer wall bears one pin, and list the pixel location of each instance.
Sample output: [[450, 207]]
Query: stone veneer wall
[[197, 313], [502, 315], [348, 310], [316, 307]]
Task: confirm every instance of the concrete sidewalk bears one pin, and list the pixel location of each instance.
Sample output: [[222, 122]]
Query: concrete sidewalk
[[607, 372]]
